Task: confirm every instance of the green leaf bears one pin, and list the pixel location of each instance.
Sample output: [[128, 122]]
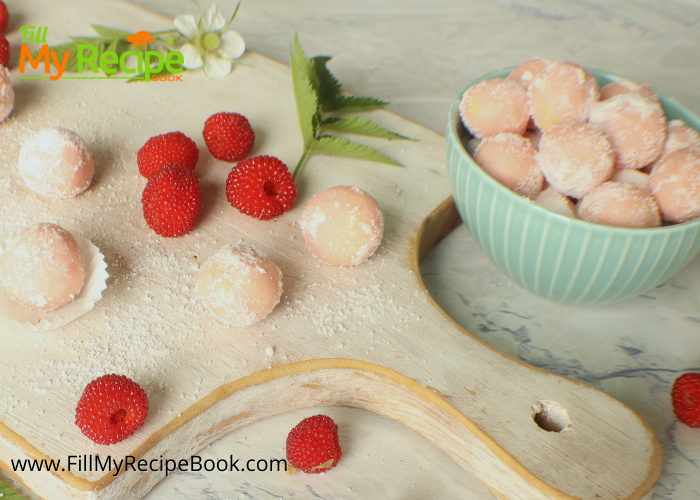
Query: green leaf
[[72, 48], [360, 126], [113, 46], [96, 43], [306, 98], [328, 85], [342, 147], [349, 103], [168, 40], [137, 49], [7, 493], [123, 46], [106, 32]]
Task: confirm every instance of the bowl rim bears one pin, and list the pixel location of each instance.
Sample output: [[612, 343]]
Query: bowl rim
[[453, 119]]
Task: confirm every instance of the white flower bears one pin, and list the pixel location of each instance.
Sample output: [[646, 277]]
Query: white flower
[[210, 43]]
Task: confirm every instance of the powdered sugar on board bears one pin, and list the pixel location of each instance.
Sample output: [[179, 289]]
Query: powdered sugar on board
[[150, 324]]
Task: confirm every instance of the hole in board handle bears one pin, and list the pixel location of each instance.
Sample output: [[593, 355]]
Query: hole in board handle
[[551, 416]]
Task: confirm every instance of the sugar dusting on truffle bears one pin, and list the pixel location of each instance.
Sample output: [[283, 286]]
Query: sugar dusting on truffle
[[562, 93], [675, 182], [57, 163], [342, 226], [494, 106], [620, 204], [43, 267], [575, 158], [634, 125], [7, 94], [240, 285]]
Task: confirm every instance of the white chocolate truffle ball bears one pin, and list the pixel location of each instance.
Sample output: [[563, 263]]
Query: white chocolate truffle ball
[[678, 136], [527, 71], [7, 94], [43, 267], [625, 86], [511, 160], [620, 204], [56, 163], [494, 106], [342, 226], [575, 158], [556, 202], [634, 125], [675, 183], [240, 285], [562, 93], [631, 176], [681, 136]]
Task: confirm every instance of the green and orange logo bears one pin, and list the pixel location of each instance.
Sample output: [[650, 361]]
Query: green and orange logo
[[86, 58]]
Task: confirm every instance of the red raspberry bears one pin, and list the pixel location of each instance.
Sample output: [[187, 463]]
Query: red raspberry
[[686, 399], [111, 408], [173, 147], [229, 136], [4, 17], [312, 446], [261, 187], [4, 51], [172, 200]]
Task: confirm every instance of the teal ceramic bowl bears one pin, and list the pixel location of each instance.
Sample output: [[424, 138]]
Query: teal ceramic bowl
[[556, 257]]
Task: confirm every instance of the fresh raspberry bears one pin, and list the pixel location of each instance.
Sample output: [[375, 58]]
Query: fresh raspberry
[[312, 446], [686, 399], [229, 136], [4, 51], [172, 200], [111, 408], [261, 187], [173, 147], [4, 17]]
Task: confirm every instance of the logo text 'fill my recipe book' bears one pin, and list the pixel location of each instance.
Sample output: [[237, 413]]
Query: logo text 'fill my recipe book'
[[108, 62]]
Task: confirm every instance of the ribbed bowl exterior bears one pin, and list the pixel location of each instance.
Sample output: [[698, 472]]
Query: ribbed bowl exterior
[[556, 257]]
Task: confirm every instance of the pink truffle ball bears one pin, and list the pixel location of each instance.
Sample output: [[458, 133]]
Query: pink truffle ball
[[680, 136], [527, 71], [239, 285], [575, 158], [43, 267], [56, 163], [675, 183], [562, 93], [620, 204], [556, 202], [511, 160], [342, 226], [7, 94], [624, 86], [635, 126], [494, 106]]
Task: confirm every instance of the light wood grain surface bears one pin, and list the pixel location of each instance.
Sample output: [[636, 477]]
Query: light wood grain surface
[[111, 131]]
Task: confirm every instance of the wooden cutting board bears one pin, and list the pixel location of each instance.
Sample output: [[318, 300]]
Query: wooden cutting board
[[369, 337]]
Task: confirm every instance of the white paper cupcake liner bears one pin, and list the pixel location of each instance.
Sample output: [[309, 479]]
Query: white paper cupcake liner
[[36, 320]]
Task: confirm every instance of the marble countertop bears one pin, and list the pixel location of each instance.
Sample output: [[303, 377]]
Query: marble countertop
[[419, 54]]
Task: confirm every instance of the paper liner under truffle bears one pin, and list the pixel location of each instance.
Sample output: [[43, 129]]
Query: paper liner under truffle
[[37, 320]]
